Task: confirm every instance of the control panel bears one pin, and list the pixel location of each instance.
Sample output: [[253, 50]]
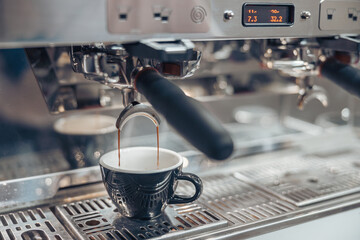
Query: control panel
[[141, 17], [340, 15], [238, 18], [134, 20]]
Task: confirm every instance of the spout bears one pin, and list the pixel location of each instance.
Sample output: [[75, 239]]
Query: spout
[[136, 109]]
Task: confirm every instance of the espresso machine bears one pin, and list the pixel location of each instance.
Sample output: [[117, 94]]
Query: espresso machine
[[260, 98]]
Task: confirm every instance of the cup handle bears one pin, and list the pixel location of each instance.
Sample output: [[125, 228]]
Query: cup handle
[[196, 181]]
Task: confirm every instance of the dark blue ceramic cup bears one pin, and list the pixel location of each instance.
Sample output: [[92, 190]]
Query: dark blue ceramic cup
[[138, 188]]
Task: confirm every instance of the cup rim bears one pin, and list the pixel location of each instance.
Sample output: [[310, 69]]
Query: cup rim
[[178, 156], [59, 122]]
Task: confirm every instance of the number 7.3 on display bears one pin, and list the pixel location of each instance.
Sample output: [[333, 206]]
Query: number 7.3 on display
[[268, 15]]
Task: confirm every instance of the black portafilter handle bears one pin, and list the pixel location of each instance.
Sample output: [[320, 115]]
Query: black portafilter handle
[[342, 74], [197, 125]]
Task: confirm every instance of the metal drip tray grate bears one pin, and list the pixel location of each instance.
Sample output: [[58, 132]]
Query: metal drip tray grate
[[39, 223], [99, 219], [239, 202], [308, 179]]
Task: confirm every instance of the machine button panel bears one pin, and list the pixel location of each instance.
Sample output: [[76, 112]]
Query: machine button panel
[[339, 15], [158, 16]]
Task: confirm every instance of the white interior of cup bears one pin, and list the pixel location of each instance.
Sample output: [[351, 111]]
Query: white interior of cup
[[91, 124], [141, 160]]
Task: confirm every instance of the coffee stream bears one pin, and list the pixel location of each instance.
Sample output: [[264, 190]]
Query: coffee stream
[[158, 146], [157, 137], [119, 145]]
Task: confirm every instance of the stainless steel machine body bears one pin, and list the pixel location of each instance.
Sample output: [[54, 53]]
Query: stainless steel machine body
[[293, 173], [43, 22]]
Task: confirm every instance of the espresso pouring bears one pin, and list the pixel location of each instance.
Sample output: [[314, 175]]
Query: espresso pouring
[[158, 147]]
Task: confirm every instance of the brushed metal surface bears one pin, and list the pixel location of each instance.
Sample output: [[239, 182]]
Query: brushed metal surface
[[60, 22]]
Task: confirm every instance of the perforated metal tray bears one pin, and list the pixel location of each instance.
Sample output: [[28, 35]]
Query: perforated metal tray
[[225, 201], [239, 202], [304, 180], [99, 219], [251, 195], [38, 223]]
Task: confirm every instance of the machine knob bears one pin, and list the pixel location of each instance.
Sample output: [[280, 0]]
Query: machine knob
[[228, 15], [305, 15]]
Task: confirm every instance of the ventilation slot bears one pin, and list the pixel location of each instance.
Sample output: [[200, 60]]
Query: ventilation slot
[[100, 230], [83, 207], [68, 210], [87, 217], [183, 222], [41, 213], [98, 204], [10, 234], [75, 208], [119, 235], [205, 217], [101, 237], [132, 237], [106, 203], [22, 217], [12, 218], [193, 223], [211, 215], [110, 236], [51, 228], [197, 219], [90, 205], [31, 214], [3, 221]]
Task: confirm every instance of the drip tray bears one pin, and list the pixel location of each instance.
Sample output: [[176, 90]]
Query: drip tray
[[307, 179], [98, 219], [239, 202], [39, 223]]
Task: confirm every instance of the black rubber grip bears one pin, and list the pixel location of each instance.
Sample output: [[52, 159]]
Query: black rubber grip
[[343, 75], [197, 125]]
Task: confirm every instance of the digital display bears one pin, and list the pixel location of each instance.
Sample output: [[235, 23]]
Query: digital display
[[268, 15]]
